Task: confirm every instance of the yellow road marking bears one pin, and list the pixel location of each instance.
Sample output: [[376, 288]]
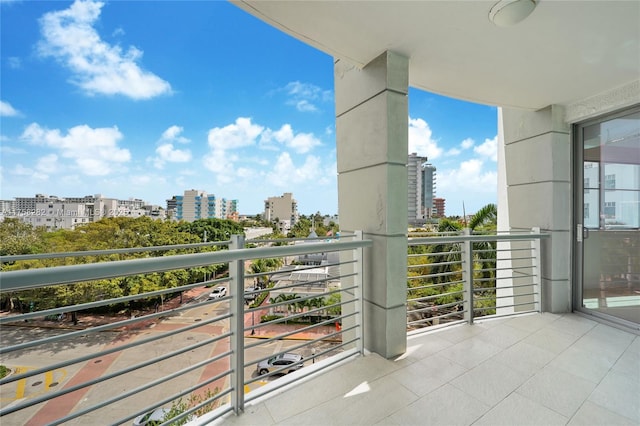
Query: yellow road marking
[[22, 383], [48, 379]]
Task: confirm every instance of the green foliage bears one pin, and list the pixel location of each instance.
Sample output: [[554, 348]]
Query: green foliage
[[215, 229], [486, 217], [4, 371], [108, 233], [444, 263], [180, 406], [17, 237]]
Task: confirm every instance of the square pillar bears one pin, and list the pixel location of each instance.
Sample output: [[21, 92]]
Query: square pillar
[[372, 149], [537, 159]]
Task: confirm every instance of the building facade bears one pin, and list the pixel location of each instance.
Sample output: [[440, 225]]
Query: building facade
[[283, 209], [55, 212], [421, 182], [195, 204], [439, 207]]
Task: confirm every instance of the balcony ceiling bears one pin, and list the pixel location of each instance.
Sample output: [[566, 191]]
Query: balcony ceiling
[[564, 52]]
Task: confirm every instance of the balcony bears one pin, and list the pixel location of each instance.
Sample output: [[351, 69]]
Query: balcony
[[537, 369], [483, 355]]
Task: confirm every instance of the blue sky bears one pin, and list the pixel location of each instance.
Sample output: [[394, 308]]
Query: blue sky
[[144, 99]]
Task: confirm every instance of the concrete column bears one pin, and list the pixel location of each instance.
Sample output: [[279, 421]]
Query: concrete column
[[537, 147], [372, 150]]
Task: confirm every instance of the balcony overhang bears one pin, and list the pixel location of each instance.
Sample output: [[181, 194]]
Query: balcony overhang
[[565, 51]]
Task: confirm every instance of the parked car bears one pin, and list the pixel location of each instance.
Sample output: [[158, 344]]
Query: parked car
[[218, 292], [281, 361], [154, 417], [251, 296]]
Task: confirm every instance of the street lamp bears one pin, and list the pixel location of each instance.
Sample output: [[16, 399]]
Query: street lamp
[[313, 355]]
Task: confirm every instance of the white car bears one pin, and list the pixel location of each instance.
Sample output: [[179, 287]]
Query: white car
[[280, 362], [218, 292], [154, 417]]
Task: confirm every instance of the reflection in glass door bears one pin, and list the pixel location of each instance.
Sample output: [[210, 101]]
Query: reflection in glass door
[[609, 236]]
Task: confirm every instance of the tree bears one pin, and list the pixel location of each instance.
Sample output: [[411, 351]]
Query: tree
[[213, 229], [17, 237]]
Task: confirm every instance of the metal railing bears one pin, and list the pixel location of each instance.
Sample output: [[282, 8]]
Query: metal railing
[[197, 359], [456, 278]]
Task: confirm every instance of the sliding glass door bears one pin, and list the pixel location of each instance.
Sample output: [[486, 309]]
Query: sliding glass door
[[608, 231]]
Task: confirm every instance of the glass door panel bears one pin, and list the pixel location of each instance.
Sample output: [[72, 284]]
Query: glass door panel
[[611, 217]]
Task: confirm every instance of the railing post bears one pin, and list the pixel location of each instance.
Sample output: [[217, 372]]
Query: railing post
[[358, 294], [236, 288], [467, 275], [536, 258]]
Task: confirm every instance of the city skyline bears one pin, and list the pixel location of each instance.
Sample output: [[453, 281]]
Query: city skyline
[[202, 96]]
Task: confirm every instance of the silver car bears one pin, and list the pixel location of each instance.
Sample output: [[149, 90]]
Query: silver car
[[281, 361], [151, 418]]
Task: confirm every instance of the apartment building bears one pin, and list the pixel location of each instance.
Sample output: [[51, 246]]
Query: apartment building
[[284, 209], [196, 204], [421, 189]]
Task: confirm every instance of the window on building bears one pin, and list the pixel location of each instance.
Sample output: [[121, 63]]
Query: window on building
[[610, 182], [609, 210]]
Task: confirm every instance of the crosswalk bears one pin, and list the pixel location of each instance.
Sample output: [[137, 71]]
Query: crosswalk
[[33, 386]]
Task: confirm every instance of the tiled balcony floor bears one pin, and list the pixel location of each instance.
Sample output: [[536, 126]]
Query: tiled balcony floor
[[529, 370]]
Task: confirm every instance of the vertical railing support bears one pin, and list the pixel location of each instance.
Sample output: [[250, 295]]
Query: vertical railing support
[[358, 293], [536, 261], [236, 289], [467, 276]]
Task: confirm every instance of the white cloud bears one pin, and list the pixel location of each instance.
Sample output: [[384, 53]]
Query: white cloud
[[48, 164], [300, 142], [467, 143], [20, 170], [167, 153], [488, 149], [470, 177], [95, 152], [284, 171], [172, 134], [240, 134], [420, 139], [464, 145], [304, 96], [6, 110], [98, 67]]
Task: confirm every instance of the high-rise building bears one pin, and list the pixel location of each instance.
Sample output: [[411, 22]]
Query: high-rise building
[[283, 208], [196, 204], [422, 178], [438, 207]]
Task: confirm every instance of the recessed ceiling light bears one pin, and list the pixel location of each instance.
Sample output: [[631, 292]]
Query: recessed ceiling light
[[509, 12]]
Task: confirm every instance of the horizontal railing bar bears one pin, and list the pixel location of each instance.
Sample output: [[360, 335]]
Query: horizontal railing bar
[[435, 296], [33, 278], [438, 317], [431, 265], [96, 329], [340, 358], [472, 238], [90, 305], [409, 289], [294, 348], [506, 306], [146, 386], [291, 333], [30, 373], [180, 394], [34, 256], [292, 239]]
